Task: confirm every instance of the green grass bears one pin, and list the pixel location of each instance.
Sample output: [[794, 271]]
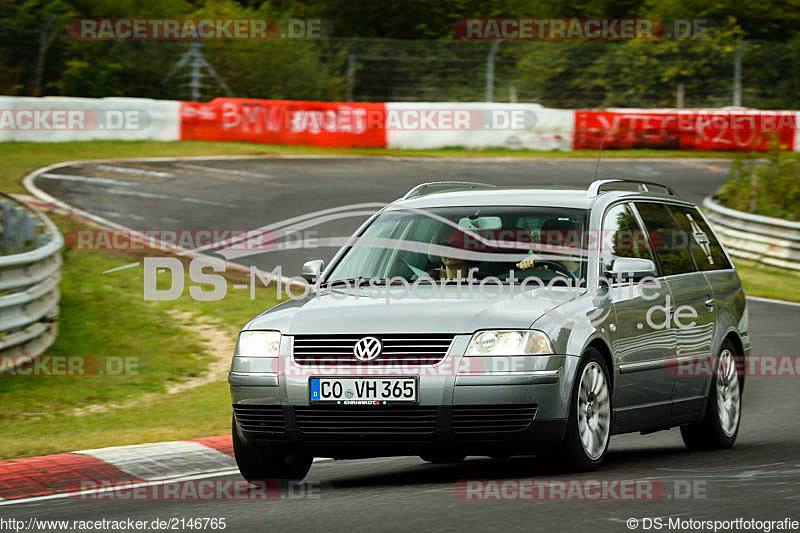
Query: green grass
[[766, 282], [105, 315], [18, 159], [196, 413]]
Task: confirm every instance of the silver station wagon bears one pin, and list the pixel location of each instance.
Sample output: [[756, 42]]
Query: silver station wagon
[[467, 319]]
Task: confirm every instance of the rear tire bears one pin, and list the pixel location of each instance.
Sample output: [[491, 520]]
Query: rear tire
[[720, 424], [257, 465], [589, 425]]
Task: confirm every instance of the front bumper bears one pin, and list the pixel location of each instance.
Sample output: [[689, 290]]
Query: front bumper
[[472, 405]]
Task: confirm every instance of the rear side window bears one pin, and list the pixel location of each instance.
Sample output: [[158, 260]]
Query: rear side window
[[706, 249], [670, 242], [622, 236]]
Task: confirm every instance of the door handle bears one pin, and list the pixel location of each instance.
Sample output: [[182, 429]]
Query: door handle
[[710, 304]]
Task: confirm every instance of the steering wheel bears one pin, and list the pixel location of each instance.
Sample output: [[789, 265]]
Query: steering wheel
[[556, 266]]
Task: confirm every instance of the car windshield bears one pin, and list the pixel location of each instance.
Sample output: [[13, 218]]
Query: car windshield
[[448, 243]]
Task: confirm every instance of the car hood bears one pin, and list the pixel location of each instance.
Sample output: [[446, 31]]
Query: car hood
[[337, 312]]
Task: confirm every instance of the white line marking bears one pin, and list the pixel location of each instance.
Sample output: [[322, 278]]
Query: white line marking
[[773, 301], [126, 170], [218, 170], [125, 192], [88, 179], [120, 215], [123, 267], [206, 202]]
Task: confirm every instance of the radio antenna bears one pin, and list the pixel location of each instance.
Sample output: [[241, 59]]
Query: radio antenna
[[600, 153]]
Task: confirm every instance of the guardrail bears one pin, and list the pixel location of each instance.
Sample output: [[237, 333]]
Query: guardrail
[[30, 270], [768, 240]]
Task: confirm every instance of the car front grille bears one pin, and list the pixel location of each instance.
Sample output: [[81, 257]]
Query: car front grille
[[261, 419], [415, 424], [383, 424], [409, 349], [492, 419]]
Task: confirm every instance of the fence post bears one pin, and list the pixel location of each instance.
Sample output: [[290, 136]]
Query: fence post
[[351, 75], [44, 42], [737, 75], [490, 70]]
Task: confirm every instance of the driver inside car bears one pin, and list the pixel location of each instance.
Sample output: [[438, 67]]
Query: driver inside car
[[452, 267], [555, 232]]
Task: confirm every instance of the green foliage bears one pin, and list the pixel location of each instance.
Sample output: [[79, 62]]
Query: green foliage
[[770, 189], [435, 65], [635, 73]]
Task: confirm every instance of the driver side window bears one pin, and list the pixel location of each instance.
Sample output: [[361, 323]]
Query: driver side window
[[622, 237]]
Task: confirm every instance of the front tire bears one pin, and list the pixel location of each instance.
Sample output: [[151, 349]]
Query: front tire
[[257, 465], [589, 425], [720, 424]]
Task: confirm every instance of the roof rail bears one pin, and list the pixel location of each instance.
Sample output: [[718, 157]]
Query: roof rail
[[644, 186], [424, 187]]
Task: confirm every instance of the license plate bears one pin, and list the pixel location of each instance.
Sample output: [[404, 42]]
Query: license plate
[[363, 391]]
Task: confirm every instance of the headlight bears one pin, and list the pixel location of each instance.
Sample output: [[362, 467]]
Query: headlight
[[258, 344], [504, 342]]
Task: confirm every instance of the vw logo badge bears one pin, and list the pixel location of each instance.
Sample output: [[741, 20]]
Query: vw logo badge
[[367, 349]]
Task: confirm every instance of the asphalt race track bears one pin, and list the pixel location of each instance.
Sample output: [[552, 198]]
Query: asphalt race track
[[244, 194], [759, 478]]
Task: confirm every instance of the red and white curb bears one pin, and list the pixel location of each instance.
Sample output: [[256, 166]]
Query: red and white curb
[[70, 472]]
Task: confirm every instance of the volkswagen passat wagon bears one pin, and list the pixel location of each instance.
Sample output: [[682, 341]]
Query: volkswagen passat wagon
[[465, 319]]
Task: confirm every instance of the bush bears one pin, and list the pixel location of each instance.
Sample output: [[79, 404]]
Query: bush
[[771, 189]]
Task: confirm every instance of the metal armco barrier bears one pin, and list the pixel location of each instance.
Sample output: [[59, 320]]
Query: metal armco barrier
[[30, 270], [768, 240]]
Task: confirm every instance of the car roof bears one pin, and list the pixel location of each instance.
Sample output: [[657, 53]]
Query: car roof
[[575, 198], [567, 197]]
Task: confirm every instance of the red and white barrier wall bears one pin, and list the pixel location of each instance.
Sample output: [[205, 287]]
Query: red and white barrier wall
[[62, 119], [678, 129], [408, 125], [483, 125], [283, 122]]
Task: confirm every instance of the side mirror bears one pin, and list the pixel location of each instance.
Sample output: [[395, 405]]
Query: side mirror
[[632, 267], [312, 270]]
